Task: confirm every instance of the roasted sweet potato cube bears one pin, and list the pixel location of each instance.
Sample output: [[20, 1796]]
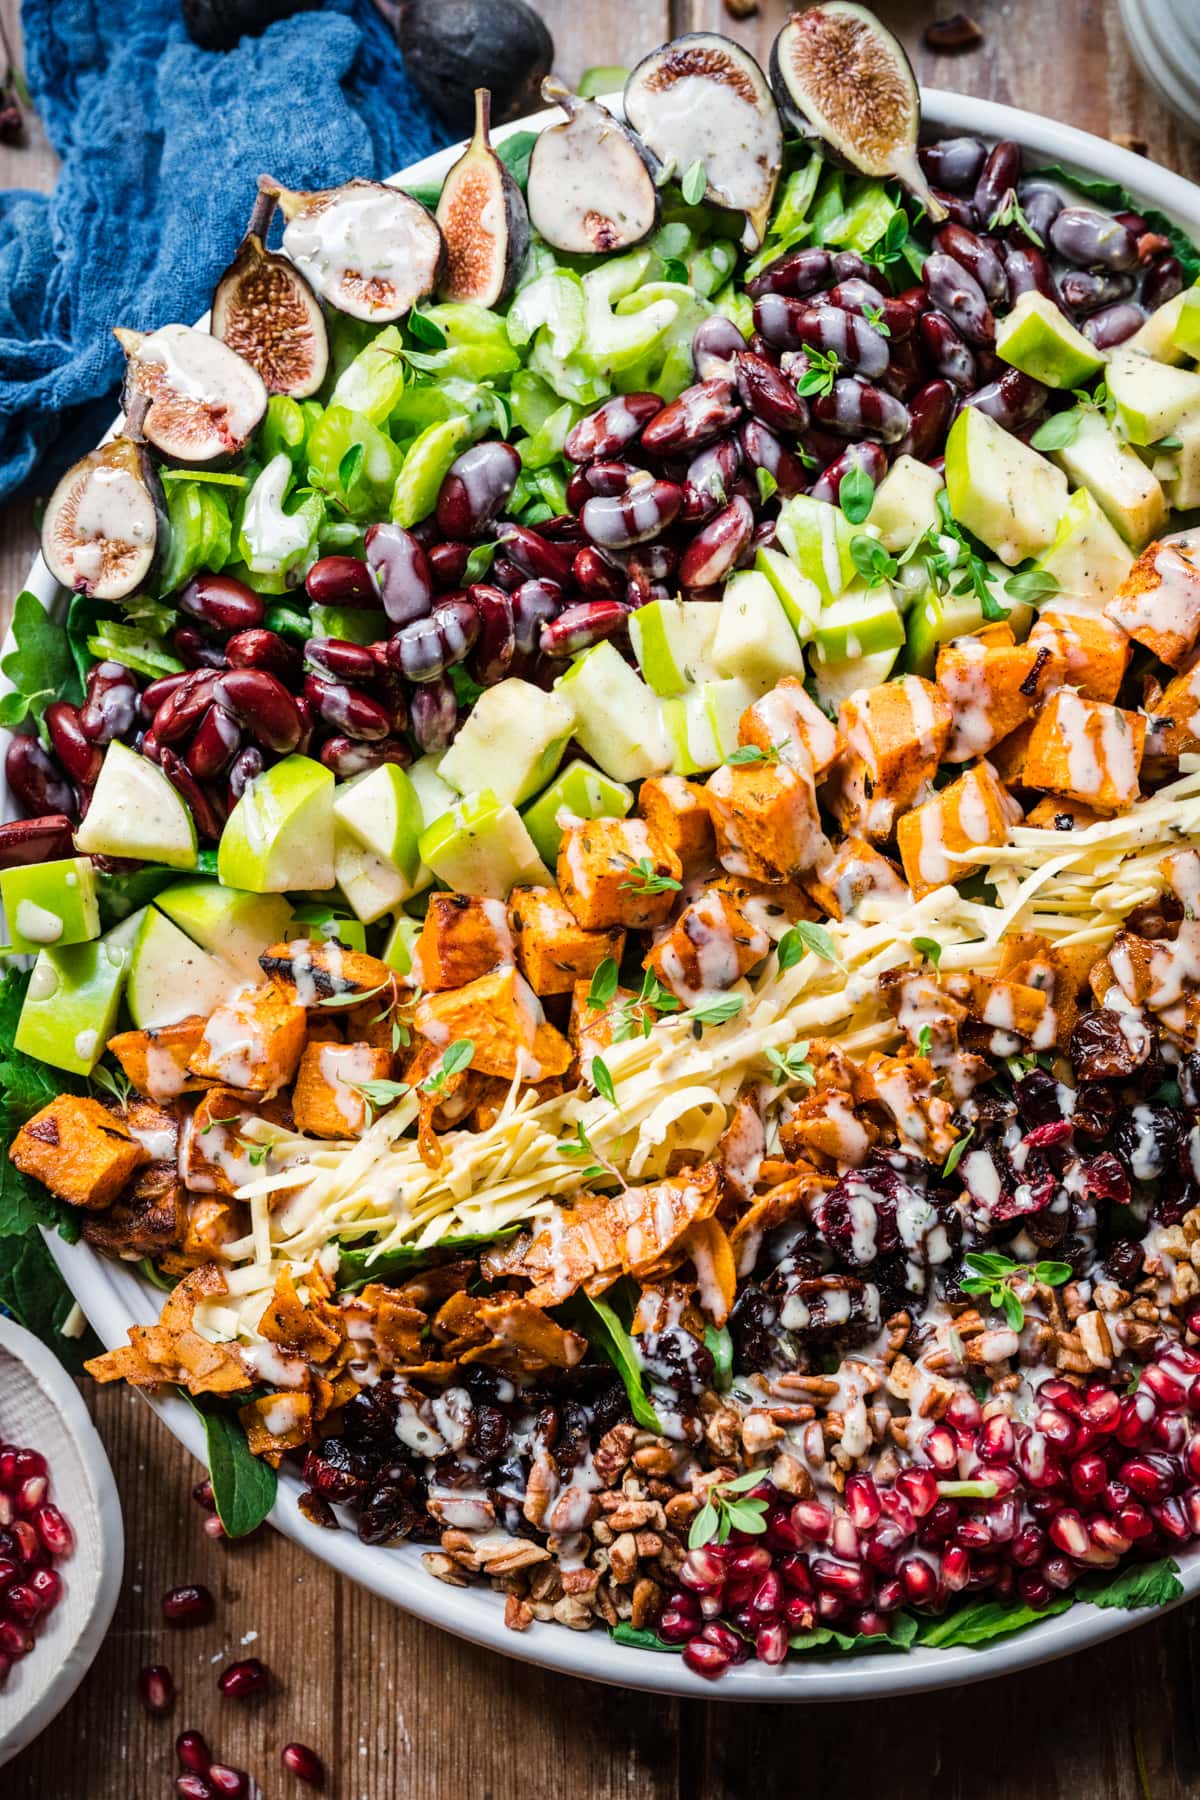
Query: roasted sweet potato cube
[[502, 1018], [855, 872], [1055, 814], [554, 950], [1008, 756], [617, 872], [909, 1089], [712, 944], [277, 1423], [253, 1040], [1158, 603], [210, 1224], [1091, 650], [676, 813], [766, 820], [1009, 1006], [146, 1220], [79, 1150], [787, 722], [895, 737], [591, 1028], [318, 969], [975, 809], [1086, 750], [991, 689], [462, 938], [156, 1062], [1174, 729], [214, 1151], [328, 1101], [828, 1124], [326, 1028]]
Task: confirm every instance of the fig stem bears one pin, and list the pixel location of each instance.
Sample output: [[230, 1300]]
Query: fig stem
[[483, 116], [262, 213], [135, 416]]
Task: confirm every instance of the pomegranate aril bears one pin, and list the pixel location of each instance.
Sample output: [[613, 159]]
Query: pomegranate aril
[[15, 1641], [304, 1763], [53, 1530], [1068, 1532], [191, 1604], [194, 1787], [193, 1753], [233, 1783], [156, 1685], [1165, 1387], [21, 1603], [705, 1659], [241, 1680], [1149, 1475], [770, 1643], [202, 1494], [862, 1499], [919, 1580]]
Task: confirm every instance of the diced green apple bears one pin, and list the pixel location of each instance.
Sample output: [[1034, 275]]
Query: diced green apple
[[482, 847], [1172, 332], [1182, 485], [1151, 398], [1130, 496], [754, 637], [672, 640], [401, 941], [227, 922], [136, 812], [799, 597], [71, 1003], [1001, 489], [170, 977], [835, 681], [314, 920], [512, 742], [50, 903], [816, 535], [1088, 558], [1041, 341], [617, 718], [382, 811], [935, 619], [863, 622], [905, 503], [372, 885], [724, 704], [279, 837], [694, 746], [578, 792]]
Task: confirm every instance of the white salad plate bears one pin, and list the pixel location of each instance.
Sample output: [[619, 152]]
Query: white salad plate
[[115, 1298]]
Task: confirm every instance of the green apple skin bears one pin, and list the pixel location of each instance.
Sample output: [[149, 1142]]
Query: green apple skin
[[1182, 486], [1000, 489], [672, 640], [581, 791], [316, 921], [905, 503], [799, 597], [863, 622], [724, 703], [1131, 497], [755, 639], [1042, 342], [71, 1004], [279, 836], [1151, 398], [401, 942], [1172, 332], [136, 812], [617, 718], [1088, 558], [382, 810], [50, 903], [172, 978], [482, 847], [816, 535], [227, 922], [512, 742], [371, 884], [689, 728], [835, 682]]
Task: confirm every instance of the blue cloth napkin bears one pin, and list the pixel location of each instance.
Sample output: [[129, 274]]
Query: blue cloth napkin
[[161, 145]]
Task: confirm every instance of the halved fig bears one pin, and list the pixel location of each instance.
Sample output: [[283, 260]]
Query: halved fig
[[102, 523], [265, 310], [368, 249], [703, 99], [484, 220], [840, 75], [204, 399], [591, 183]]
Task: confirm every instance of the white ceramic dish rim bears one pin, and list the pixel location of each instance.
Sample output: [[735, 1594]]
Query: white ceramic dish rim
[[115, 1298]]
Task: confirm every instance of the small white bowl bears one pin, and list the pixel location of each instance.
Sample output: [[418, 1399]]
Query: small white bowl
[[40, 1406]]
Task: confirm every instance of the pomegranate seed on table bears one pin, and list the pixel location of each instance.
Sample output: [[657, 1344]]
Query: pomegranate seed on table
[[227, 1781], [193, 1753], [304, 1763], [242, 1680], [156, 1685], [191, 1604]]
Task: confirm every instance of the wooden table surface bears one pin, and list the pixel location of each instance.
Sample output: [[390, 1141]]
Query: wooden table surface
[[402, 1712]]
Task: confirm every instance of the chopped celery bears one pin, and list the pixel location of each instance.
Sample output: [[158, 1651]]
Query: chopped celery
[[201, 536], [353, 461], [477, 346], [547, 441], [373, 383], [284, 429], [734, 304], [830, 206], [666, 368], [553, 301], [712, 267], [674, 240], [553, 490], [531, 399], [568, 376], [868, 213], [611, 340], [139, 650], [272, 541], [426, 402], [426, 463]]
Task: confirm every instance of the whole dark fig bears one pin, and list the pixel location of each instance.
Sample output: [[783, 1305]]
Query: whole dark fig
[[451, 47], [218, 24]]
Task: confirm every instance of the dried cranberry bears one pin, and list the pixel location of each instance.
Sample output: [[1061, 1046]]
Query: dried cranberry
[[1147, 1140], [1104, 1178], [1036, 1095], [1101, 1050]]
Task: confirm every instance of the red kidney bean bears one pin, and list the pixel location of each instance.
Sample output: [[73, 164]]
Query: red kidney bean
[[848, 265], [975, 255], [505, 573], [1150, 245], [997, 178], [955, 292], [820, 448], [391, 691], [1133, 221], [1162, 281], [716, 547], [598, 478], [563, 528], [247, 764], [217, 741], [1029, 271], [716, 344], [763, 450], [907, 370], [222, 603], [605, 432], [579, 627], [26, 841], [593, 574], [435, 715], [110, 707], [400, 571], [958, 209], [855, 408], [534, 554], [424, 649], [700, 414], [261, 705], [651, 562], [534, 604], [1086, 291], [1113, 324], [491, 656], [263, 650], [347, 709], [710, 476], [81, 759], [180, 712], [954, 162], [195, 650], [304, 713], [205, 813], [1013, 399], [348, 756], [795, 325], [426, 532], [896, 313], [931, 413], [1041, 206], [766, 393], [153, 695], [763, 537], [798, 273], [1094, 240], [870, 457], [341, 581], [476, 488], [338, 660], [146, 744], [769, 352], [641, 512], [447, 565], [916, 300]]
